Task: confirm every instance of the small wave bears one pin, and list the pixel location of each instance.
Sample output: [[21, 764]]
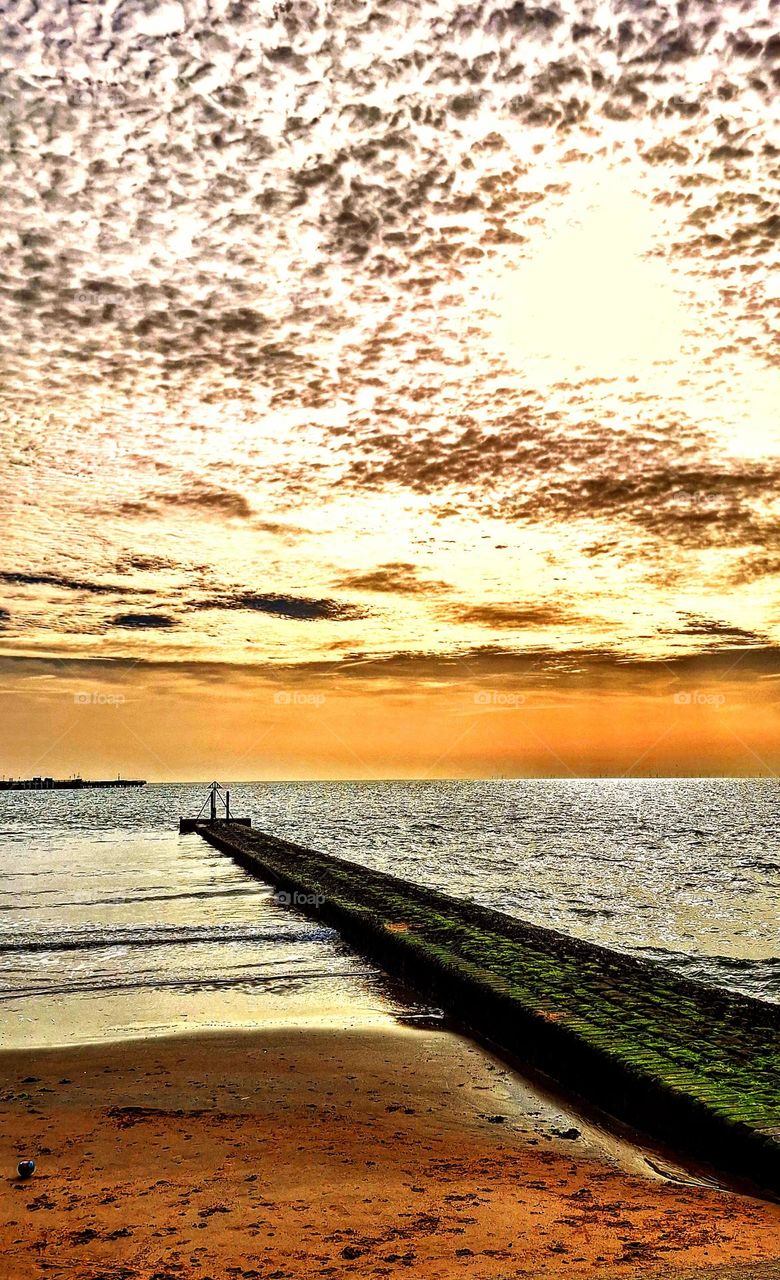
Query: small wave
[[175, 935], [759, 978], [239, 891], [724, 962], [194, 895], [278, 982]]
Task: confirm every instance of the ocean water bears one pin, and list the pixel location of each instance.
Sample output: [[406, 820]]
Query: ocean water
[[112, 925]]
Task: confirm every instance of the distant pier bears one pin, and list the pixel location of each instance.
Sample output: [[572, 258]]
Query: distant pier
[[691, 1065], [66, 784]]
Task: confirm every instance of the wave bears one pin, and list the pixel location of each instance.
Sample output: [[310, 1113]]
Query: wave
[[240, 891], [760, 978], [272, 982], [161, 935]]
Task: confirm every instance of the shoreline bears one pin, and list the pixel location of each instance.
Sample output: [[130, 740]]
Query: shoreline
[[616, 1028], [634, 1150], [370, 1151]]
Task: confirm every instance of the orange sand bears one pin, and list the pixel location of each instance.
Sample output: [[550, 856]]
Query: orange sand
[[283, 1154]]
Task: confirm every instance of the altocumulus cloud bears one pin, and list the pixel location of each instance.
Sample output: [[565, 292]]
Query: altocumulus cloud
[[301, 608], [144, 621], [63, 583], [394, 578], [313, 325], [206, 499], [512, 617]]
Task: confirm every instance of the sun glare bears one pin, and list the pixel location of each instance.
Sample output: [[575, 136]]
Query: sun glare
[[589, 301]]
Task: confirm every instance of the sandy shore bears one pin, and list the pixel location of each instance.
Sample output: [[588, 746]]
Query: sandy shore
[[300, 1153]]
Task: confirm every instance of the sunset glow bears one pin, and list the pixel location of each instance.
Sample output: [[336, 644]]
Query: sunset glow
[[396, 355]]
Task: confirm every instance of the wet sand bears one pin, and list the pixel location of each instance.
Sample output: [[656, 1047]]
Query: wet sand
[[290, 1153]]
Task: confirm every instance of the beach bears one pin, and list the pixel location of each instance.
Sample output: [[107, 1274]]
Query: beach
[[376, 1151], [215, 1086]]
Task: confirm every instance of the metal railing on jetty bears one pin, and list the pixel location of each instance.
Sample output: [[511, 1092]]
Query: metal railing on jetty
[[693, 1065], [216, 798]]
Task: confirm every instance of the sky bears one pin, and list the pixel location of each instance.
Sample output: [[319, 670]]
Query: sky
[[389, 389]]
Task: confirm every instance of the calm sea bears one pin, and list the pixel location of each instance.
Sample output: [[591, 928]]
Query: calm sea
[[113, 925]]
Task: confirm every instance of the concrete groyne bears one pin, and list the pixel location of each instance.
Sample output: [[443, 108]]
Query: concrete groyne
[[685, 1063]]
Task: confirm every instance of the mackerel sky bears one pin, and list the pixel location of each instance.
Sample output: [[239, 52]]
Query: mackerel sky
[[391, 340]]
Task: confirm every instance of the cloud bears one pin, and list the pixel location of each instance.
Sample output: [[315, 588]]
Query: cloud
[[143, 621], [64, 583], [753, 564], [597, 668], [132, 562], [300, 608], [634, 478], [395, 578], [206, 499], [715, 629], [288, 532], [511, 617], [284, 308]]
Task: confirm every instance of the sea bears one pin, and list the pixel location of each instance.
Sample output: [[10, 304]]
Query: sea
[[112, 925]]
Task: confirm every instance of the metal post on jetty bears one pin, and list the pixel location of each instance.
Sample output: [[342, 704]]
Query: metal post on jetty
[[217, 798]]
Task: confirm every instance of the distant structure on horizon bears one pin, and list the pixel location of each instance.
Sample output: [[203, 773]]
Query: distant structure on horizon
[[65, 784]]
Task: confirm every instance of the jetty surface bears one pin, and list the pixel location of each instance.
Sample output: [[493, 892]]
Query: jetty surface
[[685, 1063]]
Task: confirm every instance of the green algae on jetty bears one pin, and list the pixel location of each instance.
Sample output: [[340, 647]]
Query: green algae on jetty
[[682, 1061]]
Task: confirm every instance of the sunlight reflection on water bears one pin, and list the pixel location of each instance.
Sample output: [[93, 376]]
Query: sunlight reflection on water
[[110, 920]]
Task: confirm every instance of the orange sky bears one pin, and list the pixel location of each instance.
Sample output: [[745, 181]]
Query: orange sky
[[168, 724]]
